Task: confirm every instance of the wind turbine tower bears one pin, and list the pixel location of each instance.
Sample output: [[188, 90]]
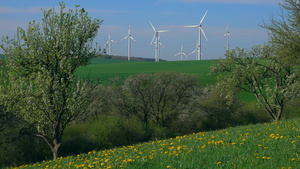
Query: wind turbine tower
[[199, 38], [228, 36], [129, 42], [181, 52], [157, 42], [109, 43]]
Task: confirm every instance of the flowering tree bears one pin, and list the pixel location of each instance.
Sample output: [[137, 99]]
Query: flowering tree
[[39, 82], [260, 72]]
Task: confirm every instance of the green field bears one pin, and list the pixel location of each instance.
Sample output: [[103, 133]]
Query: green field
[[111, 69], [104, 69], [269, 145]]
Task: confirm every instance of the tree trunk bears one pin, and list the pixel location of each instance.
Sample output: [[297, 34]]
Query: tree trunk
[[279, 113], [56, 145]]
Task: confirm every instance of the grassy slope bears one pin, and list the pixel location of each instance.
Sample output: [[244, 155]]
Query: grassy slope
[[269, 145]]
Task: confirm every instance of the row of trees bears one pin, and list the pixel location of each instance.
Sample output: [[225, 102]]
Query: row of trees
[[38, 85]]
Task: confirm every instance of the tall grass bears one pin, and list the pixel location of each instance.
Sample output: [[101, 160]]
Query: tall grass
[[269, 145]]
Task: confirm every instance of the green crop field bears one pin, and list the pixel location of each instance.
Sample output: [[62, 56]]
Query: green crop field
[[269, 145], [96, 70]]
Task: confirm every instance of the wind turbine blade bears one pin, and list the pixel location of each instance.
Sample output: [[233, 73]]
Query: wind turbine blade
[[124, 38], [152, 26], [106, 43], [228, 34], [184, 54], [191, 26], [193, 52], [224, 35], [152, 39], [203, 33], [132, 38], [113, 41], [129, 30], [203, 17], [162, 31], [161, 45], [178, 54]]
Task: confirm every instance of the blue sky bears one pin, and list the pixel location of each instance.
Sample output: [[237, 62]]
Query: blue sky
[[243, 16]]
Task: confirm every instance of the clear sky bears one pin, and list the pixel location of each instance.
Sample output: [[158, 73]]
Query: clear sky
[[243, 16]]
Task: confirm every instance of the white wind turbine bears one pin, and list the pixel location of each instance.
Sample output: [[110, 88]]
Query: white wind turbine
[[228, 36], [196, 50], [129, 42], [181, 52], [199, 39], [109, 43], [157, 42]]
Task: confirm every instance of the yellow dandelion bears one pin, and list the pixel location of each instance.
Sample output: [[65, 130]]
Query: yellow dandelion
[[168, 166], [293, 142], [219, 162], [293, 159], [268, 158]]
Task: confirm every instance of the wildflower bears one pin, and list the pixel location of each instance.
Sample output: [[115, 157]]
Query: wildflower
[[268, 158], [168, 166], [219, 162], [293, 159], [293, 142]]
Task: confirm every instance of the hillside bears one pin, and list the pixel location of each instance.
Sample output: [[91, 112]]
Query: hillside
[[269, 145]]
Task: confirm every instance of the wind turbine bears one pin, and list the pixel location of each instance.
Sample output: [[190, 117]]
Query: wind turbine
[[157, 42], [199, 39], [196, 50], [109, 43], [228, 36], [129, 42], [181, 52]]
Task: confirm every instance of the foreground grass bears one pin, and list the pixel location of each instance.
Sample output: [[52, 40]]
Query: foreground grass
[[269, 145]]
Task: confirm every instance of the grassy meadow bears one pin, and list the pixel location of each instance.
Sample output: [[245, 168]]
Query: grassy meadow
[[268, 145]]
